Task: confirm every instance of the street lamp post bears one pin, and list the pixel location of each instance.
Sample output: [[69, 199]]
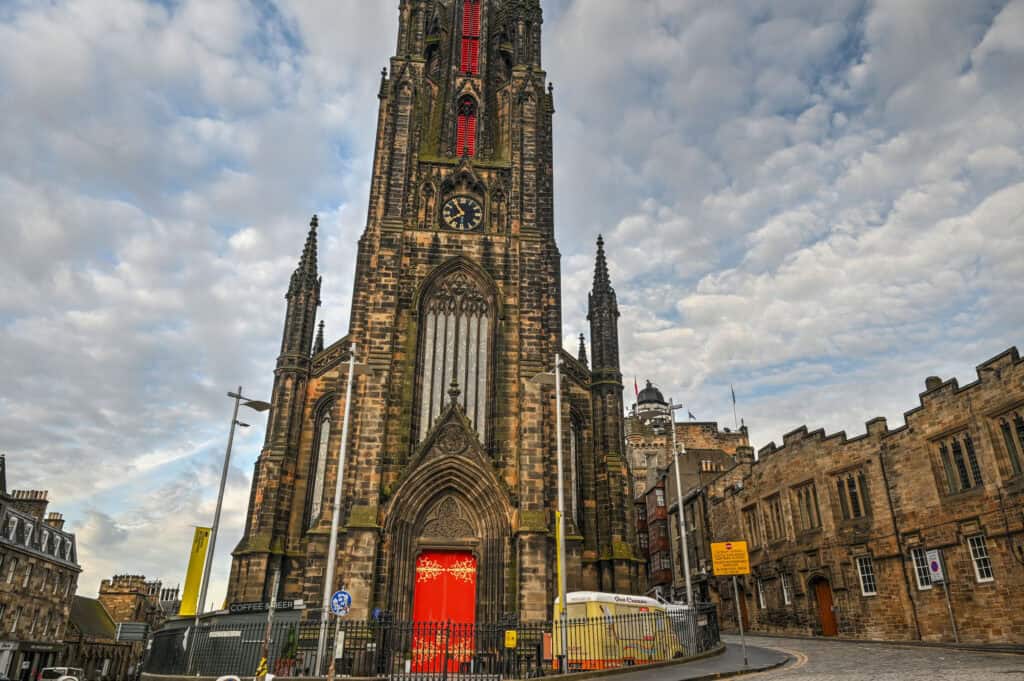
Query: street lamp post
[[546, 379], [679, 502], [332, 549], [257, 405], [564, 668]]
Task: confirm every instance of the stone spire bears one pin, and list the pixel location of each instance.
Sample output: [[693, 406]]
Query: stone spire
[[603, 314], [318, 344], [305, 275], [602, 282], [582, 354], [303, 298]]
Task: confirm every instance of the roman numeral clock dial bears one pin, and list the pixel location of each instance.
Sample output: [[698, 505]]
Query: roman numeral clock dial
[[462, 213]]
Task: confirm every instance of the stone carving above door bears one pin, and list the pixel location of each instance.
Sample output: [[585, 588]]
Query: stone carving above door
[[448, 521]]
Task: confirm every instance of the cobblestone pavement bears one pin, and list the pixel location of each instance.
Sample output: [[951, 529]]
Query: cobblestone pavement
[[822, 660]]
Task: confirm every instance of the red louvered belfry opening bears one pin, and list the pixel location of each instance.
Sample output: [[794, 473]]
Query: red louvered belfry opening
[[465, 134], [471, 37]]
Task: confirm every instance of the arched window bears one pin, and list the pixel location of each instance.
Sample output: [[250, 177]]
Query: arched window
[[470, 37], [458, 318], [465, 137], [576, 471], [318, 468]]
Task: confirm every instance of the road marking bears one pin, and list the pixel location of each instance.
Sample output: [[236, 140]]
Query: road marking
[[800, 661]]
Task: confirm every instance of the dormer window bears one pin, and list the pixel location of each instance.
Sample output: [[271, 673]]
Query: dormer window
[[470, 37], [12, 528], [465, 137]]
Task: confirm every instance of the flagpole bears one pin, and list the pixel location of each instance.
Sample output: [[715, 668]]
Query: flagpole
[[735, 421]]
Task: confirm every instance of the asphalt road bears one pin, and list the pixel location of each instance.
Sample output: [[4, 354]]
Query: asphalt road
[[824, 660]]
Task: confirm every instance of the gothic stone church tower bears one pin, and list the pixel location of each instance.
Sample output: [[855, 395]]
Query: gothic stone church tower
[[450, 480]]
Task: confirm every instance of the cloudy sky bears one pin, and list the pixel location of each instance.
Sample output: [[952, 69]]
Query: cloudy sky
[[820, 203]]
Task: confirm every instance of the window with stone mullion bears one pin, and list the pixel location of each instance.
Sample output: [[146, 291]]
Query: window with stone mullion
[[455, 348], [947, 467], [961, 466], [1011, 446], [972, 459]]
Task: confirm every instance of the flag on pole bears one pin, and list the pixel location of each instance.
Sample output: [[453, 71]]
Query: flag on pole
[[692, 417], [636, 388], [733, 391]]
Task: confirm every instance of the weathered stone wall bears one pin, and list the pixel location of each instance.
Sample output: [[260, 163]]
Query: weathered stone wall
[[511, 257], [901, 475]]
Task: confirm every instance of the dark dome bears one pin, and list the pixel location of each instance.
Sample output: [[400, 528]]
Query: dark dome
[[650, 394]]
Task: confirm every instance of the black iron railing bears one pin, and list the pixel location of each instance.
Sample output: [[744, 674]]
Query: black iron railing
[[440, 650]]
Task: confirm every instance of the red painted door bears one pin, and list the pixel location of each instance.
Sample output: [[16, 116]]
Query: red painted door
[[443, 611]]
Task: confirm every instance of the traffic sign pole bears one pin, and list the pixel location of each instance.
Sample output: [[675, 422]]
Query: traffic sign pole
[[739, 619]]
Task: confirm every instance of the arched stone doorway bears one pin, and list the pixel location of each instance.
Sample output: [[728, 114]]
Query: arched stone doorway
[[451, 508], [824, 605]]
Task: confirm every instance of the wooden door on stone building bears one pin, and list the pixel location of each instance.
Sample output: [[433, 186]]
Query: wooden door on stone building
[[444, 611], [826, 610]]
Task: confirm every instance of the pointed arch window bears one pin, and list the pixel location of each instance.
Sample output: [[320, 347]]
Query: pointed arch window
[[576, 471], [465, 134], [458, 319], [470, 37], [318, 468]]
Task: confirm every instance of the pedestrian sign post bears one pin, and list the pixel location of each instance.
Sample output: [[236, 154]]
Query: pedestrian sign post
[[937, 575], [730, 558], [935, 566], [341, 601]]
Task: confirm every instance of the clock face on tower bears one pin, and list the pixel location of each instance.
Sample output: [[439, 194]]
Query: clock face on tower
[[462, 213]]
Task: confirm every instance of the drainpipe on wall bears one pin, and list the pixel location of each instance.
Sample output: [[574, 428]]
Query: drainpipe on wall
[[899, 541]]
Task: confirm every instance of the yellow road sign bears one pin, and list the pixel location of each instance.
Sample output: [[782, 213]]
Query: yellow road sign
[[511, 638], [730, 558]]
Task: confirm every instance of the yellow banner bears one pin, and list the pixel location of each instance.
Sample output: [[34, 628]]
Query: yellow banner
[[194, 576]]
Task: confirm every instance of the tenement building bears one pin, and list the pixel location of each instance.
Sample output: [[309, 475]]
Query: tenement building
[[840, 528], [449, 484], [702, 452], [38, 577]]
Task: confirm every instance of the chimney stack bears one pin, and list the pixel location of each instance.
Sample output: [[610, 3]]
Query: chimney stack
[[30, 501], [55, 520]]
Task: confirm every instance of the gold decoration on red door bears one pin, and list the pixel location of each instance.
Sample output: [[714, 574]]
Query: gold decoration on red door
[[464, 570], [428, 569]]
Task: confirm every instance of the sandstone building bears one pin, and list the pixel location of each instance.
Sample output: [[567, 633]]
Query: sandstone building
[[703, 451], [449, 485], [38, 577], [839, 527], [93, 642]]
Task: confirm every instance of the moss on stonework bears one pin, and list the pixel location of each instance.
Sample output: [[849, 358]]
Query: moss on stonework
[[621, 549], [533, 521], [363, 515], [258, 543]]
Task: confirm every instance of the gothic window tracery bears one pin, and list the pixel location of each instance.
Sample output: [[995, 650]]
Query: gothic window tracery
[[457, 325], [318, 469], [576, 472]]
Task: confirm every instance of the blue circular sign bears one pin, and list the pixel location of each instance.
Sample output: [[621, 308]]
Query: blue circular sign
[[341, 601]]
